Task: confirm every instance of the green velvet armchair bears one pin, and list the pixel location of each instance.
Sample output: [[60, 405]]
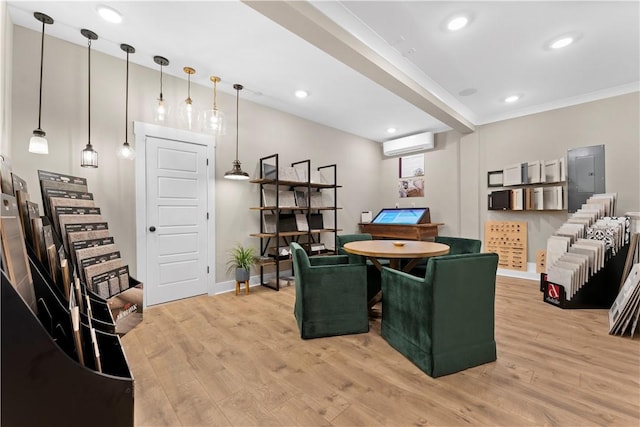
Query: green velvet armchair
[[443, 322], [460, 245], [373, 274], [331, 295], [457, 245]]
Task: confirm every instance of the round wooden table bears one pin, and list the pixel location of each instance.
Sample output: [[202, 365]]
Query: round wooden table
[[395, 250]]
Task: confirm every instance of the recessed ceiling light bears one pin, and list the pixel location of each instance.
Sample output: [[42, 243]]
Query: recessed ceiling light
[[457, 23], [391, 130], [109, 14], [512, 98], [561, 42], [301, 94], [468, 92]]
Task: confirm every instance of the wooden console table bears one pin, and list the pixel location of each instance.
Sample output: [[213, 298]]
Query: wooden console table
[[400, 231]]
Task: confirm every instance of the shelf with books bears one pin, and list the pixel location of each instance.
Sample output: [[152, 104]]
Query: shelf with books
[[297, 208], [281, 182], [537, 185], [296, 233], [532, 198], [296, 205]]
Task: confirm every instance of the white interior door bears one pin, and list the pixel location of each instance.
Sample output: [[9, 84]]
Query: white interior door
[[176, 235]]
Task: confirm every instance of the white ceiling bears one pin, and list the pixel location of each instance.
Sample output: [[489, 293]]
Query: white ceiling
[[412, 65]]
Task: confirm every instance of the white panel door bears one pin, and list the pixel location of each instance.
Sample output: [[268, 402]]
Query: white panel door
[[176, 220]]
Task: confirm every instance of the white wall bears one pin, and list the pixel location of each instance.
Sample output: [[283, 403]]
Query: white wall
[[6, 45], [263, 131], [613, 122], [442, 184], [456, 171]]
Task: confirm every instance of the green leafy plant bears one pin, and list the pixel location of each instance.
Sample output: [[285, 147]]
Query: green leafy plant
[[241, 257]]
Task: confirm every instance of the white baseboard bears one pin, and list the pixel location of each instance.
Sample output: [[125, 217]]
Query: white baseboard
[[230, 285], [530, 274]]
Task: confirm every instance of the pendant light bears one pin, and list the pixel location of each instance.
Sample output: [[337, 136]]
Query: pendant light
[[38, 143], [236, 171], [161, 113], [186, 114], [126, 151], [89, 157], [213, 121]]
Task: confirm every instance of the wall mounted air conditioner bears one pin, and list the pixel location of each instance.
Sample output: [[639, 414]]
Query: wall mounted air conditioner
[[408, 144]]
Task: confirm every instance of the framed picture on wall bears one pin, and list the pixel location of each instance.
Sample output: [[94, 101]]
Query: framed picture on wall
[[411, 187], [410, 166]]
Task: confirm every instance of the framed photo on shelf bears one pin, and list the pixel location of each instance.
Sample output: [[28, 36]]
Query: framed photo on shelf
[[495, 179]]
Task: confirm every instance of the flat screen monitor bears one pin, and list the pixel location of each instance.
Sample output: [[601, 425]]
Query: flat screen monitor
[[402, 216]]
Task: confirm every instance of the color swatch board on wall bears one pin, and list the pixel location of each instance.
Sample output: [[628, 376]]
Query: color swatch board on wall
[[508, 239]]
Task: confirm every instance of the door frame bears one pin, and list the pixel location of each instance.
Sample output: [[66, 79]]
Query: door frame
[[142, 131]]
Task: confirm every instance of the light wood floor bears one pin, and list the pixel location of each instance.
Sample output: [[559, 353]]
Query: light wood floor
[[239, 360]]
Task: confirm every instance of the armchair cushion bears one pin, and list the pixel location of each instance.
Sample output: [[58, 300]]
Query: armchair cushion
[[330, 297], [443, 322]]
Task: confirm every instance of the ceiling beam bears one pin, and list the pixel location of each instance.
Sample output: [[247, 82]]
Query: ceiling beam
[[304, 20]]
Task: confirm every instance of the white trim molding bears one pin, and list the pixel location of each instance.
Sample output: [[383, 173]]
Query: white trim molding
[[141, 132]]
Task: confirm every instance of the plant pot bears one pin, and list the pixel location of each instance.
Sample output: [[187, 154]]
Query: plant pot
[[242, 275]]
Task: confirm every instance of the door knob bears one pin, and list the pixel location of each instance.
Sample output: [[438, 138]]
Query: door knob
[[152, 229]]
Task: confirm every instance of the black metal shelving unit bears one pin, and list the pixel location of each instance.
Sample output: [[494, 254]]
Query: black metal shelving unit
[[306, 238]]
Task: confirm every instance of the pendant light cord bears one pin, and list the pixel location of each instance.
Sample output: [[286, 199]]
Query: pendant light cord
[[41, 67], [160, 82], [89, 83], [237, 119], [189, 86], [126, 105], [215, 94]]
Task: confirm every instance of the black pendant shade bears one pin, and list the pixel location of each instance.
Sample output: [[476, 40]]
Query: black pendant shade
[[89, 156], [236, 171]]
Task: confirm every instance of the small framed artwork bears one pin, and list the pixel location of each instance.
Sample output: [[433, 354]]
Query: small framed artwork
[[494, 179], [410, 166]]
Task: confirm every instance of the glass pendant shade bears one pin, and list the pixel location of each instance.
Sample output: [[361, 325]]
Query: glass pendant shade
[[213, 120], [89, 157], [187, 115], [161, 112], [236, 172], [161, 109], [38, 143], [125, 151]]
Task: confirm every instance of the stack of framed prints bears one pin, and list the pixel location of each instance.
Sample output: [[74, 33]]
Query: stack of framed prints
[[625, 311], [588, 256], [92, 251], [52, 321]]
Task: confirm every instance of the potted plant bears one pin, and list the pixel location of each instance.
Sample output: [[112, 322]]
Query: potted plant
[[241, 259]]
